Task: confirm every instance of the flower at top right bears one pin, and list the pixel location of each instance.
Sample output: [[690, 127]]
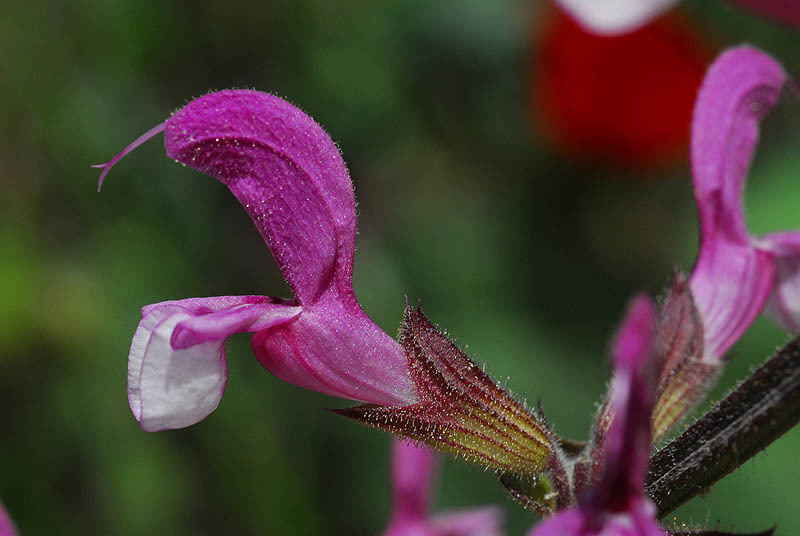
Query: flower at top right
[[737, 274]]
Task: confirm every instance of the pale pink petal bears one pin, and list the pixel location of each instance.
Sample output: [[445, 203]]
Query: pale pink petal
[[336, 349], [171, 387], [783, 305], [787, 11], [730, 284], [612, 17], [7, 527], [286, 172], [731, 280]]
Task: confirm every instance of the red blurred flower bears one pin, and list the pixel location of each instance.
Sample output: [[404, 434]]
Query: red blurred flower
[[623, 99]]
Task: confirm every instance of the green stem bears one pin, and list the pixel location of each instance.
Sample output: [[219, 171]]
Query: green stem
[[756, 413]]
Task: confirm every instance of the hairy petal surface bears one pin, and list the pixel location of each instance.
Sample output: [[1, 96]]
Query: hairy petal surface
[[732, 279], [287, 173], [336, 350], [176, 366]]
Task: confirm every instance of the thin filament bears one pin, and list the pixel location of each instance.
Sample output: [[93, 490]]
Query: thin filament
[[133, 145]]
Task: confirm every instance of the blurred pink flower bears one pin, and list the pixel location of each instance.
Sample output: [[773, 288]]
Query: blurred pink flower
[[617, 505], [6, 525], [413, 471], [613, 17], [289, 176]]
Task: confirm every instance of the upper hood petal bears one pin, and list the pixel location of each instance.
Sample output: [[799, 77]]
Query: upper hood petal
[[287, 173]]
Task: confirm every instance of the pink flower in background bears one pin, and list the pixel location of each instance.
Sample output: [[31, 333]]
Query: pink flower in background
[[617, 505], [413, 471], [736, 273], [289, 176], [613, 17], [6, 525]]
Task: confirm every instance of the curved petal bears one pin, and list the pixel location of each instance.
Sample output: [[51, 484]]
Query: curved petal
[[6, 525], [783, 305], [731, 280], [176, 385], [286, 172], [336, 349], [787, 11], [612, 17]]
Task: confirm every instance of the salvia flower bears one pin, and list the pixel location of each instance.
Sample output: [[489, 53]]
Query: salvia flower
[[735, 272], [736, 275], [290, 178], [413, 472], [616, 505], [613, 17]]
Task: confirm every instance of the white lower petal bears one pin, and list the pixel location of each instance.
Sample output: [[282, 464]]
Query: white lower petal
[[612, 17], [172, 388]]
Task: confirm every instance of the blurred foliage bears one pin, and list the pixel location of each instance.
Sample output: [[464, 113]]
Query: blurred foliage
[[526, 256]]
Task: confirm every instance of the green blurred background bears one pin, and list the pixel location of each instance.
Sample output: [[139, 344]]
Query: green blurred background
[[525, 255]]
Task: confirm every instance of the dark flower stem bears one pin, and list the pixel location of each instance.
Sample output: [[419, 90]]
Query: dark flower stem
[[756, 413]]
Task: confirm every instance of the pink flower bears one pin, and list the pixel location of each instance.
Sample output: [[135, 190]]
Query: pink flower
[[413, 471], [289, 176], [612, 17], [617, 505], [737, 273], [6, 525]]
